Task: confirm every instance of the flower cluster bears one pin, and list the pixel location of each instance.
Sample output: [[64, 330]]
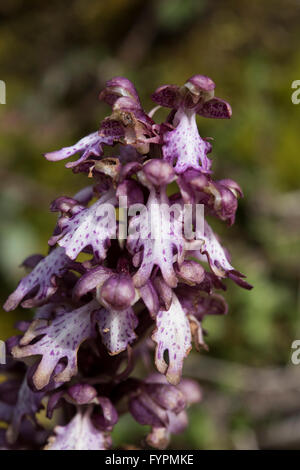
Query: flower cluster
[[106, 303]]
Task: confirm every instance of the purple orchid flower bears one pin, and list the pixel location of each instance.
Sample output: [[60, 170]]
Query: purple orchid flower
[[183, 145]]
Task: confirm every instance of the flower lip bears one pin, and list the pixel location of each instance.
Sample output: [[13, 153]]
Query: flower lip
[[116, 328], [184, 144], [79, 434]]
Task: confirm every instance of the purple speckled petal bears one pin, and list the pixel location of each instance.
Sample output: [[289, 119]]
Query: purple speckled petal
[[215, 253], [89, 145], [79, 434], [167, 95], [151, 234], [184, 145], [215, 109], [117, 329], [111, 129], [173, 334], [93, 226], [55, 264], [218, 257], [60, 339]]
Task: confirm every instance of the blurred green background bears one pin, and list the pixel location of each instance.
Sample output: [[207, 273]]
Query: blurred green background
[[55, 57]]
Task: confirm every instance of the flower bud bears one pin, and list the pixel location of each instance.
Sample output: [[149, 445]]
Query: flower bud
[[82, 393], [117, 292], [158, 172], [233, 186], [167, 396], [191, 272], [116, 88]]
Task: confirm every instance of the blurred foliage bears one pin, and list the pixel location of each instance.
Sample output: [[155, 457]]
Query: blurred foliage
[[55, 57]]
